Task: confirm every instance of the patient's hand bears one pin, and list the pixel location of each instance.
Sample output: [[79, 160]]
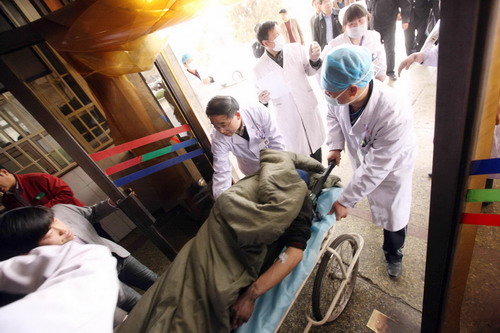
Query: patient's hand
[[242, 309]]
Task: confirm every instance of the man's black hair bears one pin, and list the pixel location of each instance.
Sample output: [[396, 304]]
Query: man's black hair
[[263, 33], [222, 106], [21, 229]]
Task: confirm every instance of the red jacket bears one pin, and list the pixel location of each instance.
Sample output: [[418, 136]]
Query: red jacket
[[41, 189]]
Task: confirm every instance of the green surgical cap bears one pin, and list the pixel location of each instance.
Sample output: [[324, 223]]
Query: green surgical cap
[[346, 65]]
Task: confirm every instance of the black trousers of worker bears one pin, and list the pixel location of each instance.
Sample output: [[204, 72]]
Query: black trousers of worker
[[388, 35], [412, 43], [394, 242]]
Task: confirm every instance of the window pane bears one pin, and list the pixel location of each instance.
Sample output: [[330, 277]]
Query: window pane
[[30, 150], [55, 157], [36, 145], [97, 115], [79, 125], [87, 119], [76, 89], [4, 142], [31, 169], [19, 156], [8, 163]]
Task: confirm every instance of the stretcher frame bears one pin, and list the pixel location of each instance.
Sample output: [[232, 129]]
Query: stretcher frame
[[327, 253]]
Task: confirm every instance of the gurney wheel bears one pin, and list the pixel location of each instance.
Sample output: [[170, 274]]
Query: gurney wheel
[[329, 270]]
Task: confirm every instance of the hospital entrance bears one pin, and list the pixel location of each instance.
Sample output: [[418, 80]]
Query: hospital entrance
[[123, 117]]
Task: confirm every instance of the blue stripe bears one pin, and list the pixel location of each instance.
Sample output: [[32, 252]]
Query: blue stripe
[[155, 168], [485, 167]]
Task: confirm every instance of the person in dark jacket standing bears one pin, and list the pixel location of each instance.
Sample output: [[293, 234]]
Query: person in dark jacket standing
[[317, 10], [326, 24], [419, 14], [385, 14]]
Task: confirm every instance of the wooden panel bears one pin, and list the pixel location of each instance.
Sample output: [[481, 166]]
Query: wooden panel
[[487, 109]]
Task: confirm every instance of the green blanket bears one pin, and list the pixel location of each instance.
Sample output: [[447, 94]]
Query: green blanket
[[195, 293]]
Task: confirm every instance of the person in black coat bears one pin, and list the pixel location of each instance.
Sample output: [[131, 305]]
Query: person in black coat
[[419, 15], [323, 31], [385, 14]]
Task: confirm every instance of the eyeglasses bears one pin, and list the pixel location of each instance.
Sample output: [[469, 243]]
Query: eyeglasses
[[222, 126]]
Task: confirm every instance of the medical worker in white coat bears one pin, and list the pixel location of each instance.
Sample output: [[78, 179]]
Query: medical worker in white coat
[[282, 70], [62, 293], [376, 125], [428, 57], [355, 23], [243, 132]]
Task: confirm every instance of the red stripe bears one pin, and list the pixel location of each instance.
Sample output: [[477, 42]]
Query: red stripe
[[139, 142], [481, 219], [122, 166]]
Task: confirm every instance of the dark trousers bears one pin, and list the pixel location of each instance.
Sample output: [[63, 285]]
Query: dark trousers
[[388, 34], [132, 273], [394, 242], [414, 44], [317, 155]]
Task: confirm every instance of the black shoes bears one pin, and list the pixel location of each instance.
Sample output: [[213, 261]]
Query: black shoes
[[394, 269]]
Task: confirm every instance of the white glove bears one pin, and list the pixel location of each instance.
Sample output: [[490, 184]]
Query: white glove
[[314, 51], [264, 96]]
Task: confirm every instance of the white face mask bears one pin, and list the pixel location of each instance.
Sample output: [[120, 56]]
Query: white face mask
[[357, 32], [279, 43], [334, 100]]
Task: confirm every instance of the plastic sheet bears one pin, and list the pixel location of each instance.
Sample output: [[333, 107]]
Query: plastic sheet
[[117, 37]]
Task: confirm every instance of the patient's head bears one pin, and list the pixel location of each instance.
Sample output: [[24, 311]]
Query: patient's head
[[22, 229]]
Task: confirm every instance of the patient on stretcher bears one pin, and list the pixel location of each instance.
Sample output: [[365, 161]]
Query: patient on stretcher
[[215, 279], [277, 264]]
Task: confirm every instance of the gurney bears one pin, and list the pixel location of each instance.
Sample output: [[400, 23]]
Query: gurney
[[335, 277]]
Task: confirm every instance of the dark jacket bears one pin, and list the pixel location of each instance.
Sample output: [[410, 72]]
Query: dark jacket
[[319, 31], [420, 10], [385, 12]]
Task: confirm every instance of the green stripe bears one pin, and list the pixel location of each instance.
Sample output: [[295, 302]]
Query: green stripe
[[156, 153], [483, 195]]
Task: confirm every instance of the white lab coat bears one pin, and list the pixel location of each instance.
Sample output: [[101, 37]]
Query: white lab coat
[[70, 287], [382, 149], [371, 40], [263, 133], [431, 56], [297, 112]]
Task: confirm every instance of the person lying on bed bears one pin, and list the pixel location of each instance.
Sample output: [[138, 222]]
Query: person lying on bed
[[213, 282]]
